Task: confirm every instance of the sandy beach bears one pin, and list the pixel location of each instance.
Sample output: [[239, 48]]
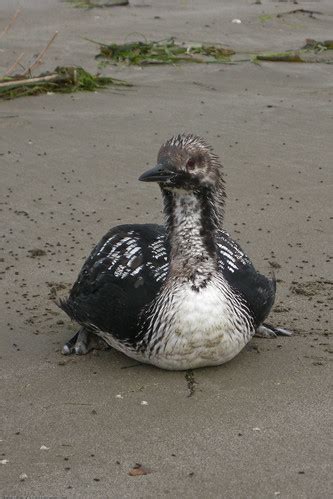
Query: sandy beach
[[256, 427]]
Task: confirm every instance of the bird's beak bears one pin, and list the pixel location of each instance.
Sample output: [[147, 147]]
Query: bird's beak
[[160, 173]]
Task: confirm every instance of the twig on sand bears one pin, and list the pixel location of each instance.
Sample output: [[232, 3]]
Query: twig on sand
[[38, 60], [10, 24], [311, 13], [30, 81]]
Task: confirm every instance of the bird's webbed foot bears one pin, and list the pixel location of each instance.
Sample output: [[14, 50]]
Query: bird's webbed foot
[[83, 342], [268, 331]]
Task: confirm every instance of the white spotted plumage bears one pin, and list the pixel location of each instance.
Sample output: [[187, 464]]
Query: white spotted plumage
[[128, 248]]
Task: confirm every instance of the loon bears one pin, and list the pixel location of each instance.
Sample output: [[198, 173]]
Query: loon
[[179, 296]]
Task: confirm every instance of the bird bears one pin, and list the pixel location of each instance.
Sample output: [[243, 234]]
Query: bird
[[181, 295]]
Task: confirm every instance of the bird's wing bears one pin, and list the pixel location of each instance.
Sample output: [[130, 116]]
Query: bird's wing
[[231, 256], [257, 290], [122, 274]]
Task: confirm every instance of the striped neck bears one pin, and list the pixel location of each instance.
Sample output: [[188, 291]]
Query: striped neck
[[191, 223]]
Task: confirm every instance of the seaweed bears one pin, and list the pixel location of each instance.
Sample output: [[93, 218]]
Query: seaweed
[[305, 54], [317, 46], [169, 51], [91, 4], [62, 80], [292, 56], [162, 52]]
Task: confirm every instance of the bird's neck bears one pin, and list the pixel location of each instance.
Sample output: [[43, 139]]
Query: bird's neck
[[192, 220]]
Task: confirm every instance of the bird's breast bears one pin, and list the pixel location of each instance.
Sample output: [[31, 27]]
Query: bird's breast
[[197, 328]]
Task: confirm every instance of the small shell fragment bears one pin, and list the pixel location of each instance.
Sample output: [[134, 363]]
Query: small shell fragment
[[138, 470]]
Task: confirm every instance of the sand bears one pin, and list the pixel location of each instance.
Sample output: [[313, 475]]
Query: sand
[[255, 427]]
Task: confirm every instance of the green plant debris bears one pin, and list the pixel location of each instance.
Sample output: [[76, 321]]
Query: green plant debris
[[265, 17], [62, 80], [162, 52], [91, 4], [171, 52], [292, 56], [312, 52], [81, 4], [311, 44]]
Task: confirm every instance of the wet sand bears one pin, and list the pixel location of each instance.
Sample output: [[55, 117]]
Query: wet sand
[[255, 427]]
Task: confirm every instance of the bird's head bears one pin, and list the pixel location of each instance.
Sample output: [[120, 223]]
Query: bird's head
[[186, 162]]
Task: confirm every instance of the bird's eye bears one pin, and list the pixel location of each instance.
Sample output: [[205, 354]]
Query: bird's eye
[[190, 164]]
